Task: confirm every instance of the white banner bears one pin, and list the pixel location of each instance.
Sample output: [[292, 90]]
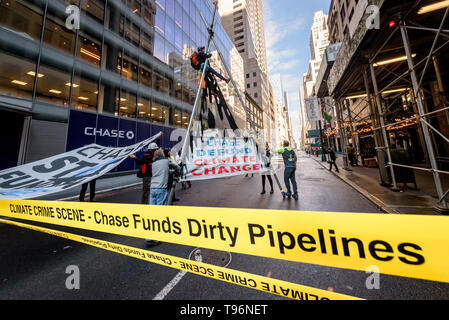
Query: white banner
[[213, 158], [313, 110], [64, 171]]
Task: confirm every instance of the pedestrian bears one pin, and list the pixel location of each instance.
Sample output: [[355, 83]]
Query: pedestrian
[[267, 165], [333, 158], [351, 155], [290, 159], [145, 171], [167, 154], [198, 60], [159, 182], [91, 185]]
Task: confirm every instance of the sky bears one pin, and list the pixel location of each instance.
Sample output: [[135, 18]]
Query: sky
[[287, 35]]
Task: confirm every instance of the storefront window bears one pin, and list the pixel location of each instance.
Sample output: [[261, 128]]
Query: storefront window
[[109, 99], [17, 76], [22, 18], [54, 85]]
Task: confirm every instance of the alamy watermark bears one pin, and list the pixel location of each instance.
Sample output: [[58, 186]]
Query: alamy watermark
[[73, 20], [72, 282]]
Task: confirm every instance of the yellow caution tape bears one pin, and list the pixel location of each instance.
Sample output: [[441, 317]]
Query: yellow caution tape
[[402, 245], [244, 279]]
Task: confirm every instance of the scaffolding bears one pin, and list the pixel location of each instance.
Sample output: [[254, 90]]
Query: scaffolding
[[414, 78]]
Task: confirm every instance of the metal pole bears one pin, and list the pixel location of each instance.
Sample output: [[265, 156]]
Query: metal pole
[[384, 131], [342, 136], [425, 127], [374, 119]]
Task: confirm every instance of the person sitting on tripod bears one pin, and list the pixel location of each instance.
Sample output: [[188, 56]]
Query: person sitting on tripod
[[199, 61]]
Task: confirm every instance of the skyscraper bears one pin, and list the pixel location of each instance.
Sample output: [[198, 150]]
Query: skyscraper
[[243, 21]]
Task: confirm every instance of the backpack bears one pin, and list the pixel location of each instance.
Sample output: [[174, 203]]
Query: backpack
[[194, 61]]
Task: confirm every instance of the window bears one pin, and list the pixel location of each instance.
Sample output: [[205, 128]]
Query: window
[[256, 95], [84, 90], [94, 9], [255, 84], [89, 48], [157, 115], [127, 104], [254, 74], [54, 86], [144, 108], [21, 17], [17, 75], [248, 86], [58, 36]]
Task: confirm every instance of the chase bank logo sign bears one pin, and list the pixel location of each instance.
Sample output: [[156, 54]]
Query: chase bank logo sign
[[89, 131]]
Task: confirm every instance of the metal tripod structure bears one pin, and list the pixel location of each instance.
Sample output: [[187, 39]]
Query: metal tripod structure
[[198, 95]]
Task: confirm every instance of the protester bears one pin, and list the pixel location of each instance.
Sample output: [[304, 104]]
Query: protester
[[145, 171], [168, 154], [198, 61], [159, 182], [289, 157], [267, 165], [91, 185], [333, 159]]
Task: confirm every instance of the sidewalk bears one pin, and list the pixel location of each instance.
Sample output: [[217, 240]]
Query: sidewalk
[[104, 184], [411, 201]]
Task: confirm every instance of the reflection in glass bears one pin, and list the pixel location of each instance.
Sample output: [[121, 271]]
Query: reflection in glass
[[21, 18], [128, 104], [132, 32], [84, 91], [130, 68], [178, 118], [17, 76], [89, 49], [159, 24], [57, 35], [145, 75], [149, 11], [94, 9], [54, 86], [147, 43], [157, 115], [144, 108], [159, 47]]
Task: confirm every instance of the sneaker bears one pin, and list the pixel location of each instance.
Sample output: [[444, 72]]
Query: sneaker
[[272, 191], [263, 192], [295, 196]]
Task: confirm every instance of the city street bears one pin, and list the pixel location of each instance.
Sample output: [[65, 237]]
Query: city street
[[33, 265]]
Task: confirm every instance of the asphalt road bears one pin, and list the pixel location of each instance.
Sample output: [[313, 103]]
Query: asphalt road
[[33, 265]]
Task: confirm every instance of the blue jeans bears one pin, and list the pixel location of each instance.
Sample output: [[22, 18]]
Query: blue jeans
[[158, 197], [289, 175]]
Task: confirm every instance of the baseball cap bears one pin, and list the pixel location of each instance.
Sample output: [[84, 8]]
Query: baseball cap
[[153, 146]]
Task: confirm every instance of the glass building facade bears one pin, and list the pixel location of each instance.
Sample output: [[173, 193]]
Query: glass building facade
[[128, 63]]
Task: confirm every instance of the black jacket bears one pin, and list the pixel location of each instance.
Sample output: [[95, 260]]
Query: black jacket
[[332, 155], [202, 56], [145, 165]]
